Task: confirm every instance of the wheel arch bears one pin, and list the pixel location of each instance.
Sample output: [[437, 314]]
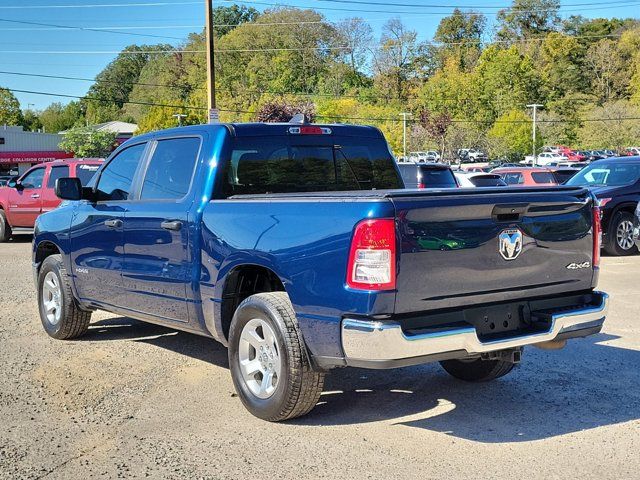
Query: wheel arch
[[240, 282]]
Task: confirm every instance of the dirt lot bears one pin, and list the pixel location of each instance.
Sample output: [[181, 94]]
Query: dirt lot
[[136, 400]]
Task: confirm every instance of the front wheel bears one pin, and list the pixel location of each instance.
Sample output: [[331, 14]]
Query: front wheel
[[268, 361], [477, 370], [61, 316], [621, 241]]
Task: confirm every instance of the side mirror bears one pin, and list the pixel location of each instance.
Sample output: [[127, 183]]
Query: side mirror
[[13, 183], [68, 188]]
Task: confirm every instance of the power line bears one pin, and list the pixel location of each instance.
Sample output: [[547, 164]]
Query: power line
[[97, 5], [337, 117], [88, 29], [471, 7], [409, 12]]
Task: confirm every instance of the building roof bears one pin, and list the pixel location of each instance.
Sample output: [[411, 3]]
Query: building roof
[[117, 127], [121, 128]]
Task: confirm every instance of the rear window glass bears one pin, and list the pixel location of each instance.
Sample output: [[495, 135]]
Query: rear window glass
[[543, 177], [437, 178], [56, 173], [85, 173], [489, 181], [276, 165]]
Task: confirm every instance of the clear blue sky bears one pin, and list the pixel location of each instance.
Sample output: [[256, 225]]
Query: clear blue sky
[[22, 45]]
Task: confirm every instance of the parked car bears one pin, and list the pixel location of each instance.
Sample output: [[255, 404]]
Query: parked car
[[23, 199], [526, 177], [616, 184], [562, 174], [479, 179], [427, 175], [428, 156], [631, 152], [297, 249], [545, 158], [472, 155]]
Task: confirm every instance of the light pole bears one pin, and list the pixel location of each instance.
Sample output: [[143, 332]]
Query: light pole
[[179, 116], [535, 107], [404, 116], [211, 73]]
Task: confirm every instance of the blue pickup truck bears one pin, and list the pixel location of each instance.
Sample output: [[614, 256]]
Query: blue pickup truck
[[296, 246]]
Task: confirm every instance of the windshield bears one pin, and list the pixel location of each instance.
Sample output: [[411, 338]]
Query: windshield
[[609, 174], [279, 164]]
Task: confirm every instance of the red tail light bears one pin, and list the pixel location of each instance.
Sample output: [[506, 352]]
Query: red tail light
[[597, 236], [421, 185], [372, 258]]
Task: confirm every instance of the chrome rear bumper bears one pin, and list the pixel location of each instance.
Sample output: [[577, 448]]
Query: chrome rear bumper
[[384, 344]]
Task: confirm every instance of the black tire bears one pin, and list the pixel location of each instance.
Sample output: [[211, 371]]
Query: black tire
[[477, 370], [5, 228], [616, 246], [73, 321], [299, 386]]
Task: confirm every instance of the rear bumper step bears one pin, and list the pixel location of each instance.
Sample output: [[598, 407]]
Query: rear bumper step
[[376, 344]]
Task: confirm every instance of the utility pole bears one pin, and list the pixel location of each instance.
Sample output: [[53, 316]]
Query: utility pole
[[535, 107], [404, 116], [179, 116], [211, 74]]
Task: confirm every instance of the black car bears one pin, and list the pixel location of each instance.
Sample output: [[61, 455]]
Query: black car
[[427, 175], [616, 183]]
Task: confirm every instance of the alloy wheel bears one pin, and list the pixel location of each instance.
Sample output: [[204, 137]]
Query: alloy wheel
[[52, 298], [624, 235], [259, 357]]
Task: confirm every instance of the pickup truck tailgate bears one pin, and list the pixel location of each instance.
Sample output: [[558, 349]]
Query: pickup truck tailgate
[[463, 247]]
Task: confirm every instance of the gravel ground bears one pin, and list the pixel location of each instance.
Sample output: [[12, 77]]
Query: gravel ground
[[137, 400]]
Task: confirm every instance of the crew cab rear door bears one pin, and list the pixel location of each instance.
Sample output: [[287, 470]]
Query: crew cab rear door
[[494, 245]]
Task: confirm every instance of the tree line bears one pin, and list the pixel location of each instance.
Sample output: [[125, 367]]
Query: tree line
[[467, 87]]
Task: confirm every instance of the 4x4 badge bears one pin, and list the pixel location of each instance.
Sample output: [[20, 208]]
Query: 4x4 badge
[[510, 243]]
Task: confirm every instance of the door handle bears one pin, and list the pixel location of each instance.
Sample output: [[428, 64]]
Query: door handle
[[35, 195], [171, 225], [113, 223]]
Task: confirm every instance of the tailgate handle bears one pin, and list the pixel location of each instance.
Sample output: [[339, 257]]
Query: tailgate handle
[[509, 213]]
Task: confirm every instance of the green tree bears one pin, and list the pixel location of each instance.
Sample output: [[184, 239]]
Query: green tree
[[460, 36], [528, 18], [10, 113], [226, 18], [85, 142], [507, 81], [31, 121], [58, 117], [510, 136], [561, 64], [110, 92]]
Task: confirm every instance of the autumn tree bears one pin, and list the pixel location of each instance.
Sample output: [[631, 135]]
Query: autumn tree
[[436, 127], [282, 111], [395, 59]]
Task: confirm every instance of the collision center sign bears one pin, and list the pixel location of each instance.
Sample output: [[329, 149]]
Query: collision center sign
[[33, 157]]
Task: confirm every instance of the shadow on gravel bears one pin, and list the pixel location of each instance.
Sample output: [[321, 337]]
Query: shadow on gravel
[[26, 238], [585, 386], [128, 329]]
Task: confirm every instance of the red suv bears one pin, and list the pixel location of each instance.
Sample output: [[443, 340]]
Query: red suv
[[22, 200], [526, 176]]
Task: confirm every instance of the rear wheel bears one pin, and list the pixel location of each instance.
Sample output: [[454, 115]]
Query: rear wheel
[[477, 370], [5, 228], [268, 361], [621, 235], [61, 316]]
